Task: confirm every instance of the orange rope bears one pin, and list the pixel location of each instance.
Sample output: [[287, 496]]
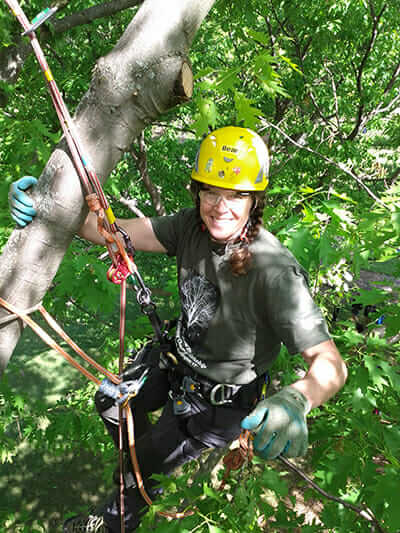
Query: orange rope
[[53, 324], [50, 342], [234, 459], [136, 469]]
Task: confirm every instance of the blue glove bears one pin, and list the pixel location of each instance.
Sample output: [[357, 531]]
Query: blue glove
[[22, 210], [279, 424]]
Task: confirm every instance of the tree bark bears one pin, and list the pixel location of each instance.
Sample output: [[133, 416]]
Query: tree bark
[[131, 86]]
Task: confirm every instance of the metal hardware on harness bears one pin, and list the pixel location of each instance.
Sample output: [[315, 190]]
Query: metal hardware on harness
[[222, 389], [220, 393], [117, 274], [127, 240], [180, 406], [190, 385], [125, 390]]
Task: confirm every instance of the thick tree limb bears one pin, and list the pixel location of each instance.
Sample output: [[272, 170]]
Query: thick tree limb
[[130, 88], [12, 58], [92, 13]]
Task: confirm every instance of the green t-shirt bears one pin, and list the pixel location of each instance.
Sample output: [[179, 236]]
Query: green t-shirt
[[231, 327]]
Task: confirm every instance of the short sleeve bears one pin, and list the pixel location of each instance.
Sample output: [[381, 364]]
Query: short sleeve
[[293, 314], [168, 230]]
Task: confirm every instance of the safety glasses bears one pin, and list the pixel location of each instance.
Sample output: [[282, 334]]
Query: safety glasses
[[231, 199]]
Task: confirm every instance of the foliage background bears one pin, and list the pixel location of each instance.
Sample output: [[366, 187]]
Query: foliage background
[[321, 85]]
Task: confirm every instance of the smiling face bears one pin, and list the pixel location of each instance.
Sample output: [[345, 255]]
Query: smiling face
[[224, 211]]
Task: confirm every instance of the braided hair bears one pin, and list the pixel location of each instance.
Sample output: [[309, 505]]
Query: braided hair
[[240, 258]]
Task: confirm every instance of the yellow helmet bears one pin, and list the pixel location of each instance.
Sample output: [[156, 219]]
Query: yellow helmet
[[233, 158]]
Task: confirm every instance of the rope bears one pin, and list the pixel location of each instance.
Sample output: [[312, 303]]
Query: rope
[[121, 408], [50, 342], [235, 459], [13, 316], [238, 456], [137, 472]]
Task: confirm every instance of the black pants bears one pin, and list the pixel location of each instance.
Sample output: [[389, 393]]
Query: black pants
[[171, 441]]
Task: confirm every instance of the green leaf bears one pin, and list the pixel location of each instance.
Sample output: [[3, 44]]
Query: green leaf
[[377, 374], [227, 79], [391, 436], [328, 254], [370, 297], [272, 480], [259, 37], [396, 221], [211, 493], [245, 112], [19, 402], [215, 529]]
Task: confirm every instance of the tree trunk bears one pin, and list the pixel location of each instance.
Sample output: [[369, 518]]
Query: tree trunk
[[131, 86]]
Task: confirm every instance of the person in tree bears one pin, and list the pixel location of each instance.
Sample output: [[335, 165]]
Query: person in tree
[[243, 295]]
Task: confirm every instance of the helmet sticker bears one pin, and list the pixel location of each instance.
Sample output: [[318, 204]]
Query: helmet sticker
[[221, 174], [228, 159], [196, 163], [232, 149], [236, 170], [209, 164], [260, 175]]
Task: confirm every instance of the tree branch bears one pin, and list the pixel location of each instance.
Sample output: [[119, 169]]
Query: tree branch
[[361, 67], [390, 108], [335, 99], [339, 166], [140, 157], [13, 58], [92, 13], [362, 511], [131, 203]]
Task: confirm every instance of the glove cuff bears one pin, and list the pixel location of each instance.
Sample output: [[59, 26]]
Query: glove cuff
[[298, 398]]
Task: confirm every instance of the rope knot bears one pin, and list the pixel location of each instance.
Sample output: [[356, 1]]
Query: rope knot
[[93, 202]]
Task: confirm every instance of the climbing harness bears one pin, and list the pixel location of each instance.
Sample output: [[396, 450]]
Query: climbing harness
[[122, 271]]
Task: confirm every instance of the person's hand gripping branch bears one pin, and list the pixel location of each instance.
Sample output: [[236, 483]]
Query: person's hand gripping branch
[[279, 424], [21, 206]]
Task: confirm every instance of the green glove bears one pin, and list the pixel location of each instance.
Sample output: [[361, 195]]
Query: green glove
[[279, 423]]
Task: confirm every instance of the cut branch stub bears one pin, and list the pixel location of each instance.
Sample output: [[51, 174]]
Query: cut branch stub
[[184, 83]]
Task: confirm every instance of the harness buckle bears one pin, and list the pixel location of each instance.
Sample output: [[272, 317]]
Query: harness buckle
[[225, 393]]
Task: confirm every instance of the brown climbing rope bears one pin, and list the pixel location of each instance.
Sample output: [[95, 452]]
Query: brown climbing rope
[[235, 458]]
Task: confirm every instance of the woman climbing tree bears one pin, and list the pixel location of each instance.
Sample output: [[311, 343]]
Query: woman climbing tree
[[243, 295]]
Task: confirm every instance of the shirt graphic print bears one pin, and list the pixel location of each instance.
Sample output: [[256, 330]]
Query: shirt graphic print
[[199, 300]]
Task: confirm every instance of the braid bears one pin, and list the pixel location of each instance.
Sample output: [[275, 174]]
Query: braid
[[240, 260]]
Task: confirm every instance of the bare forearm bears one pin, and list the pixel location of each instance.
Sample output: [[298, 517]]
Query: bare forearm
[[139, 229], [326, 375], [89, 231]]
